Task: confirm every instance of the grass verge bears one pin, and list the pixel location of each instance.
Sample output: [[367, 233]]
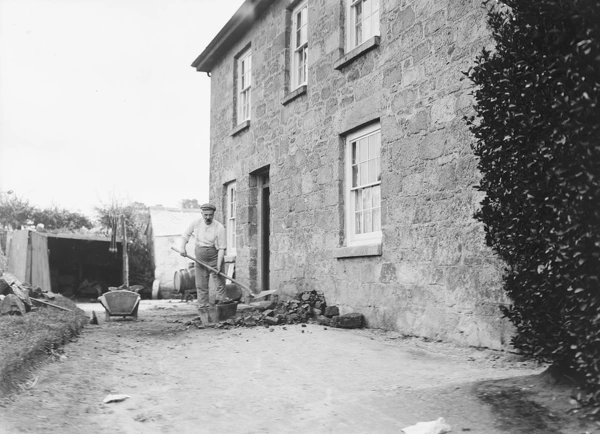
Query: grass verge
[[26, 341]]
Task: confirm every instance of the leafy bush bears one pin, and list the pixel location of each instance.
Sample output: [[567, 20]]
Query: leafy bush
[[537, 135]]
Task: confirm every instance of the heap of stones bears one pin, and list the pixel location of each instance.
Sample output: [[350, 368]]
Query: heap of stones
[[306, 307], [14, 296]]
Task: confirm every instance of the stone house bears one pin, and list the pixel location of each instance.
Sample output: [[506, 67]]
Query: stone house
[[342, 163]]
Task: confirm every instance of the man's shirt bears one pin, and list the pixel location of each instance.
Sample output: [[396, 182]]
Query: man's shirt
[[207, 236]]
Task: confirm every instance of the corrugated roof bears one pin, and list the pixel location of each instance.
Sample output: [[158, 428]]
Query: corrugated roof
[[235, 28], [171, 221]]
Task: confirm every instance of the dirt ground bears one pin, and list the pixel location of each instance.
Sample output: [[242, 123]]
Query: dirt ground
[[282, 379]]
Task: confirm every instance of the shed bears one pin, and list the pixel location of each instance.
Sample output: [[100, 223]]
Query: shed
[[165, 227], [61, 262]]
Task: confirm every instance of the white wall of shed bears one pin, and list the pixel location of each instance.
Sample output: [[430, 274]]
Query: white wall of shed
[[167, 262]]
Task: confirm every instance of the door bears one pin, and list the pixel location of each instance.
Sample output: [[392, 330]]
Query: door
[[19, 255], [265, 232], [40, 267]]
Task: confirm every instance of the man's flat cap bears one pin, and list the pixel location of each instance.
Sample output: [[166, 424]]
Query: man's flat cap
[[208, 206]]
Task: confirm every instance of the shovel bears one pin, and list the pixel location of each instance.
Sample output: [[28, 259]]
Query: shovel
[[249, 292]]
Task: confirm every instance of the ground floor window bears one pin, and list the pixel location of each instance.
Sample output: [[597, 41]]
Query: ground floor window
[[363, 186], [230, 218]]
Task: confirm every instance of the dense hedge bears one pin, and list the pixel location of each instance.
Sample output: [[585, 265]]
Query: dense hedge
[[537, 133]]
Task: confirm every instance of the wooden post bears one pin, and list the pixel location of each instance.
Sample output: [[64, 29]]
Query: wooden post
[[125, 257]]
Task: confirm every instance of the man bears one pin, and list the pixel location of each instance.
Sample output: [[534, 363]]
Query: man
[[211, 242]]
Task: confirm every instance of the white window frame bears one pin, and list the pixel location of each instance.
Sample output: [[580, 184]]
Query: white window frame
[[231, 218], [361, 28], [244, 86], [299, 45], [374, 236]]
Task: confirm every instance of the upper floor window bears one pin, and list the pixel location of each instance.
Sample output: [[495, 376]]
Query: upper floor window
[[363, 21], [363, 181], [299, 45], [231, 213], [244, 83]]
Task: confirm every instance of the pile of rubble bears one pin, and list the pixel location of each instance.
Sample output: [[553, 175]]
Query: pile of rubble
[[16, 297], [307, 306]]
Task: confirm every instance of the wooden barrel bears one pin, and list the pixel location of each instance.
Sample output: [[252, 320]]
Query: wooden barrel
[[184, 279]]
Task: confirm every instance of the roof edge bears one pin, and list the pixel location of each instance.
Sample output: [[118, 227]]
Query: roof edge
[[236, 27]]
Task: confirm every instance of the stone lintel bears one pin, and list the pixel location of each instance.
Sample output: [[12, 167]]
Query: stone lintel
[[368, 45], [358, 251], [241, 127], [295, 94]]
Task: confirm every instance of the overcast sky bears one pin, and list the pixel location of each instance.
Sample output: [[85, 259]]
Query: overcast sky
[[98, 100]]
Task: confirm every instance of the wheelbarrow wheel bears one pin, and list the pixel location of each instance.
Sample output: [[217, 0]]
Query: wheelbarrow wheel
[[106, 316]]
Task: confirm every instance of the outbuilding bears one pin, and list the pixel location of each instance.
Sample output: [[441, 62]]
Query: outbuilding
[[64, 262]]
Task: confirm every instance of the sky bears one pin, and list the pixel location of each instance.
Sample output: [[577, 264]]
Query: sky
[[98, 101]]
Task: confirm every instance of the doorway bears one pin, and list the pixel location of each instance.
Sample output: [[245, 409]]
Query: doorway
[[264, 225]]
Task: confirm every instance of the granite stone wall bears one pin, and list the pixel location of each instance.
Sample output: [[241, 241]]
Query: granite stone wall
[[433, 276]]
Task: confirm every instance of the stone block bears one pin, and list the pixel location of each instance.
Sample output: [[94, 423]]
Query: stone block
[[331, 311], [392, 76], [435, 22], [443, 110], [404, 20], [11, 305], [388, 273], [419, 122], [459, 8], [412, 36], [432, 146], [421, 51], [270, 320], [351, 321]]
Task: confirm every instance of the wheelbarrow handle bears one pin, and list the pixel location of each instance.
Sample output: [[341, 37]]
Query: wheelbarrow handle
[[214, 270]]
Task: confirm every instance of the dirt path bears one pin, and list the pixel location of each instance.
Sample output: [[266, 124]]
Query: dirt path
[[276, 380]]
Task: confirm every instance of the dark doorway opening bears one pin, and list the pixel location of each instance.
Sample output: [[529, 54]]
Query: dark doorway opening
[[265, 231]]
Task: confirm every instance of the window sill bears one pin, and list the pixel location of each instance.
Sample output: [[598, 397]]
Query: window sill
[[295, 94], [358, 251], [241, 127], [363, 48]]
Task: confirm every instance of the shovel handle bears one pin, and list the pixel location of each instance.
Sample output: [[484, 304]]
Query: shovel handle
[[50, 304], [214, 270]]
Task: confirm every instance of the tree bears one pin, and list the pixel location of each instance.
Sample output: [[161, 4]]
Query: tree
[[190, 204], [136, 215], [16, 212], [56, 218], [537, 136]]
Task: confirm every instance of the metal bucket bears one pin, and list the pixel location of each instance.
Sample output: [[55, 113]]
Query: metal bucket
[[184, 279]]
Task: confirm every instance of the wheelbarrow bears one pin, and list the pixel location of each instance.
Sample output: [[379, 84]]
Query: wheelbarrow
[[120, 303]]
